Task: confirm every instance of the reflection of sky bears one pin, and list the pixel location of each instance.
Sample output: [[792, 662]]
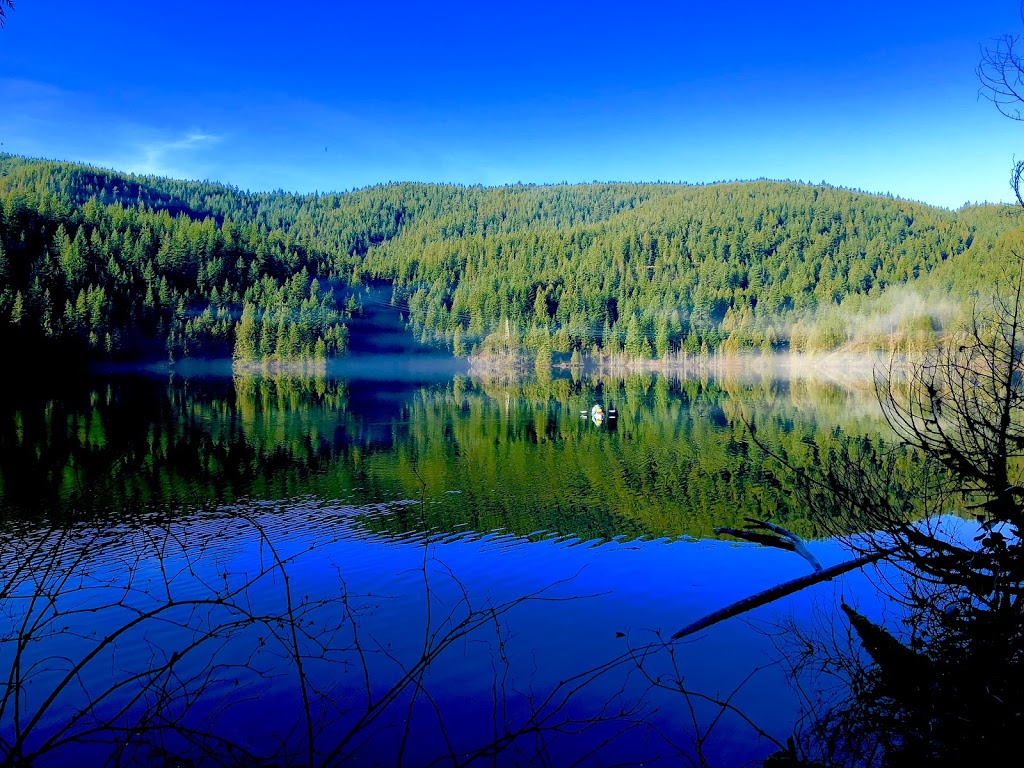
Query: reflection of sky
[[329, 96], [633, 588]]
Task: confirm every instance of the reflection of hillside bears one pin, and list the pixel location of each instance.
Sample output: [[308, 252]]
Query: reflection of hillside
[[678, 462], [135, 444], [484, 455]]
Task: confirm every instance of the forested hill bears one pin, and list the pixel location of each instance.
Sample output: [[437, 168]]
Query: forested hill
[[121, 266]]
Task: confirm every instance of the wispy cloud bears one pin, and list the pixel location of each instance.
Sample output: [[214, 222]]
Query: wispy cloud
[[42, 120], [162, 154]]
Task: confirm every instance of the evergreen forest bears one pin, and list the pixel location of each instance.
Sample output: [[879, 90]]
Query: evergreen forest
[[101, 265]]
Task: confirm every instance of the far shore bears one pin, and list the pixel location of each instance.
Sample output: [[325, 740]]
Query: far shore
[[852, 369]]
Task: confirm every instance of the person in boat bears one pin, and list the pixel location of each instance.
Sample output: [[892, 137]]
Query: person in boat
[[597, 414]]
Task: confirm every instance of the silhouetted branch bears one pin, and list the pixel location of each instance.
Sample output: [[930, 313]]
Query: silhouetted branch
[[1002, 75], [185, 645], [778, 591]]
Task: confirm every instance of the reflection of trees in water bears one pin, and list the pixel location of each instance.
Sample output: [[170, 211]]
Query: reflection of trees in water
[[222, 642], [679, 460], [133, 445]]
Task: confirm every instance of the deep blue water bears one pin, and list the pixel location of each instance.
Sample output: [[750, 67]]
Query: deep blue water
[[309, 574]]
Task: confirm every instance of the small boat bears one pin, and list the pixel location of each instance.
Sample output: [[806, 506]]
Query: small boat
[[598, 414]]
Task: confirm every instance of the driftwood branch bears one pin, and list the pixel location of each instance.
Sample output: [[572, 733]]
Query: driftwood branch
[[779, 591]]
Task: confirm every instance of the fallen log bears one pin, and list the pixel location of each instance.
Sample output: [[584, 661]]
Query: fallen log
[[779, 591]]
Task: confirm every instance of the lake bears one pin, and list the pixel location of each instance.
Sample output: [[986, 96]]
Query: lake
[[395, 562]]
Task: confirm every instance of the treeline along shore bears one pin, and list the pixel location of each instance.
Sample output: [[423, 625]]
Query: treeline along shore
[[101, 265]]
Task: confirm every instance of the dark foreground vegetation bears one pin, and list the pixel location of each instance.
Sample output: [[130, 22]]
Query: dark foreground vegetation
[[944, 685]]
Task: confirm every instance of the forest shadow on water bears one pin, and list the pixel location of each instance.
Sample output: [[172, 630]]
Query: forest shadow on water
[[427, 570]]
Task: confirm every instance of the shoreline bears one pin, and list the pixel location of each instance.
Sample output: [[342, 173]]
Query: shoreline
[[846, 368]]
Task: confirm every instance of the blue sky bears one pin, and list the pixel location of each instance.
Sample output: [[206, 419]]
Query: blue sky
[[880, 96]]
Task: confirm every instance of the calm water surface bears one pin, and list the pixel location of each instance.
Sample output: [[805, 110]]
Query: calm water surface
[[388, 566]]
